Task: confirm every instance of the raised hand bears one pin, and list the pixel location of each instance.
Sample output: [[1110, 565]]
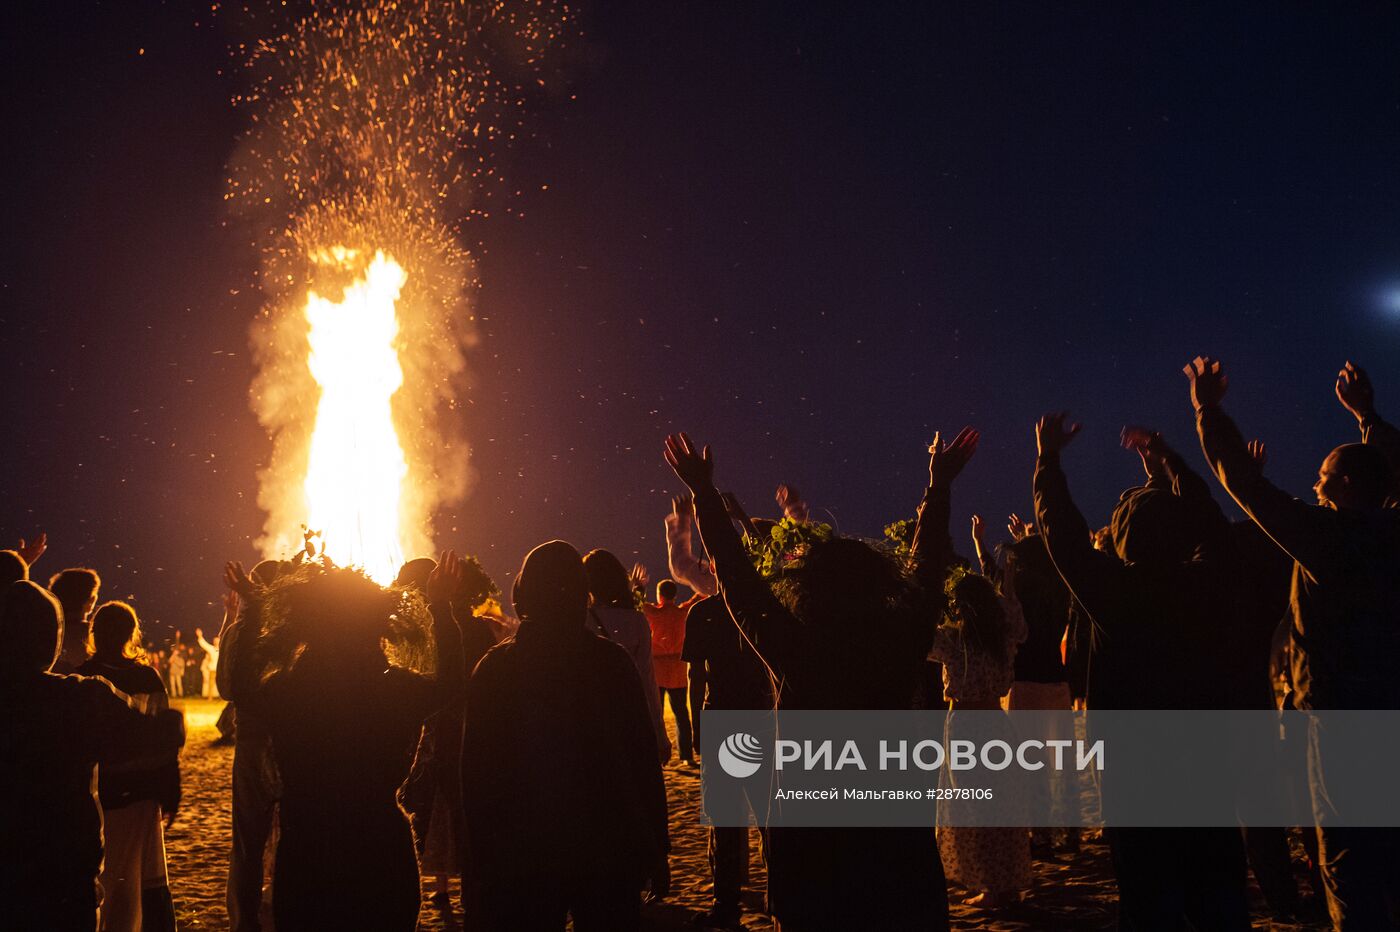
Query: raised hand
[[33, 549], [639, 577], [1208, 381], [1355, 393], [1258, 453], [237, 580], [694, 467], [979, 531], [790, 501], [682, 506], [1018, 529], [1144, 440], [446, 578], [1149, 445], [230, 603], [1052, 434], [946, 462]]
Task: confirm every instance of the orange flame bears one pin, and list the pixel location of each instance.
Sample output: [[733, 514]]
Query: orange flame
[[356, 468]]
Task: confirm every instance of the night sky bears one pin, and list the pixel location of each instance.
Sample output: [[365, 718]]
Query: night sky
[[809, 238]]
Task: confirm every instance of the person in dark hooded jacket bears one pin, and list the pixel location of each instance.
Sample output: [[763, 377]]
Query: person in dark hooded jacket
[[1345, 605], [1154, 605], [564, 802]]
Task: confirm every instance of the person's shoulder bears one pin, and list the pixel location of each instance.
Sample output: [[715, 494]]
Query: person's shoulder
[[148, 677], [706, 610], [497, 657], [605, 650]]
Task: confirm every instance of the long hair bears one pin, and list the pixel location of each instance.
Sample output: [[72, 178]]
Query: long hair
[[74, 587], [31, 627], [116, 632], [842, 581], [608, 581], [975, 607], [328, 609]]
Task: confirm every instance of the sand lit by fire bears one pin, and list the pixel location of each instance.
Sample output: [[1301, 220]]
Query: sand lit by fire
[[1070, 893]]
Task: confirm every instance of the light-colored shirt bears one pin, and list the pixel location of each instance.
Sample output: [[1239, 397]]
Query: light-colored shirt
[[973, 675], [628, 628]]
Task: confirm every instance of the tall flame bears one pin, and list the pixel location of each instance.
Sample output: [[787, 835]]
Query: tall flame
[[356, 468], [371, 130]]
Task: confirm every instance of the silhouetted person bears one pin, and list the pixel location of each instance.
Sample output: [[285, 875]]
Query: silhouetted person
[[76, 589], [256, 785], [1156, 604], [431, 796], [614, 615], [138, 797], [725, 673], [175, 670], [15, 564], [344, 724], [849, 634], [1345, 602], [54, 731], [667, 620], [563, 796]]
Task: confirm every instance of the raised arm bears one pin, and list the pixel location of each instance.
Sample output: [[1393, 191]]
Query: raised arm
[[933, 544], [772, 629], [680, 556], [986, 559], [125, 734], [1356, 394], [236, 673], [1185, 483], [1297, 527], [229, 633], [1160, 459], [450, 683], [1087, 572]]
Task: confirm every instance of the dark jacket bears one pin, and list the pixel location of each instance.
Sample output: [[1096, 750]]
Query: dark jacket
[[840, 878], [1346, 578], [868, 663], [53, 732], [560, 778], [1045, 603], [156, 777], [1155, 617]]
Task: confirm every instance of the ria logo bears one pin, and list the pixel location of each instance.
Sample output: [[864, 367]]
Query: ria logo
[[740, 755]]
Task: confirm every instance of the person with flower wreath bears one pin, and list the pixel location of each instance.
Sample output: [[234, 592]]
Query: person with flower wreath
[[844, 626]]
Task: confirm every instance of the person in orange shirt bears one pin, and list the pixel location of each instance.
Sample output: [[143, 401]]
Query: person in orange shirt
[[667, 620]]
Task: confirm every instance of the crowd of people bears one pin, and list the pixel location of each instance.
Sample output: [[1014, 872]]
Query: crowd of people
[[422, 729]]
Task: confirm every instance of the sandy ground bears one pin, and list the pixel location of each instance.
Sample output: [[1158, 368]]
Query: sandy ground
[[1071, 892]]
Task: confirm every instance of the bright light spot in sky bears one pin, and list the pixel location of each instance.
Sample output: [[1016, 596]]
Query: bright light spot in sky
[[1390, 300]]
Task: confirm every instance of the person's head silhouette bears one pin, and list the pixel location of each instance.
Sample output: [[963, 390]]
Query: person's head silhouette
[[31, 625], [1354, 477], [608, 581], [12, 567], [551, 586], [116, 632], [666, 591]]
